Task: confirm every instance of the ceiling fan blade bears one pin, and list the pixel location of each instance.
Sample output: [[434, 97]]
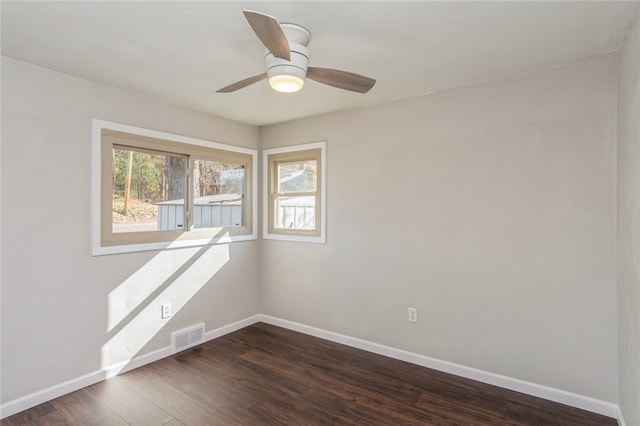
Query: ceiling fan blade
[[341, 79], [242, 83], [268, 30]]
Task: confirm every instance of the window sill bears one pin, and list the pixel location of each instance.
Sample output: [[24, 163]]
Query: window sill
[[296, 238], [130, 248]]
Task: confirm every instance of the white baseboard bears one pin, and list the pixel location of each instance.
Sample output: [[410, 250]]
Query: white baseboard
[[20, 404], [568, 398], [575, 400], [230, 328], [621, 421], [23, 403]]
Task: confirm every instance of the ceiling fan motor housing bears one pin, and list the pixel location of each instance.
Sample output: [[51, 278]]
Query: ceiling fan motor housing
[[297, 66]]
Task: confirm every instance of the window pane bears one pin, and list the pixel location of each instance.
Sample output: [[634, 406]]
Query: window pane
[[148, 191], [295, 213], [219, 190], [299, 176]]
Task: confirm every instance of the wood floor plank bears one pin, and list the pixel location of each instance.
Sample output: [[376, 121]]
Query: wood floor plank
[[81, 408], [325, 391], [31, 415], [456, 406], [520, 414], [266, 375], [298, 380], [177, 404], [53, 419], [585, 418], [227, 383], [113, 420], [43, 414], [129, 406]]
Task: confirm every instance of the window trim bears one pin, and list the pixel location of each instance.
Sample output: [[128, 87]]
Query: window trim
[[268, 233], [191, 238]]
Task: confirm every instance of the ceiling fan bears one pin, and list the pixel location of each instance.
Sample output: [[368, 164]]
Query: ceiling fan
[[287, 59]]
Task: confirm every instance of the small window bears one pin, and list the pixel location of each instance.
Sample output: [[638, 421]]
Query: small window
[[294, 193], [155, 190]]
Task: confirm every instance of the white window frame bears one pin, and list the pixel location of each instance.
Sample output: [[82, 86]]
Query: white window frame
[[201, 238], [292, 235]]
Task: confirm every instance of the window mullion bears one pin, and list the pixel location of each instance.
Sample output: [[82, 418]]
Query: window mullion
[[189, 194]]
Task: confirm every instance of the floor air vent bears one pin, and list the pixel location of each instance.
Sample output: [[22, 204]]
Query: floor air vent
[[187, 338]]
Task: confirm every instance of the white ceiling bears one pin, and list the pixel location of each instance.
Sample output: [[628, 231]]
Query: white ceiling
[[182, 52]]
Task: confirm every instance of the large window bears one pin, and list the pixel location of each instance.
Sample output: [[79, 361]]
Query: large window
[[294, 188], [155, 190]]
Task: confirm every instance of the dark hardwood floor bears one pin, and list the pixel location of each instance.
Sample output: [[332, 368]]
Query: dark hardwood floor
[[268, 375]]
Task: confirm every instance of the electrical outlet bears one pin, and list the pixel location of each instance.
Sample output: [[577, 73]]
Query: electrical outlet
[[412, 314], [166, 310]]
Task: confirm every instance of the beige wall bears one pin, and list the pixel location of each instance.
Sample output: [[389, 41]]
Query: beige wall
[[64, 313], [490, 208], [629, 225]]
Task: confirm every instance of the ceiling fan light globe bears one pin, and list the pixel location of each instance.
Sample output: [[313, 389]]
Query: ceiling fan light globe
[[288, 76], [286, 83]]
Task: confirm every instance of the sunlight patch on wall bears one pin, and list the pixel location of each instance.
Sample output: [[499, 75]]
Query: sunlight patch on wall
[[171, 277], [129, 295]]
